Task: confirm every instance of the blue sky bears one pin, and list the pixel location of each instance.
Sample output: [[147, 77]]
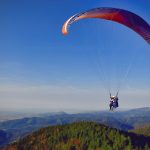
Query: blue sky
[[42, 69]]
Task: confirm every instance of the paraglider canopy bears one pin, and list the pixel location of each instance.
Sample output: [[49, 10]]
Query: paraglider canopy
[[127, 18]]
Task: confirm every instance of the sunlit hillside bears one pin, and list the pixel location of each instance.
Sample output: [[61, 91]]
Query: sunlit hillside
[[81, 136]]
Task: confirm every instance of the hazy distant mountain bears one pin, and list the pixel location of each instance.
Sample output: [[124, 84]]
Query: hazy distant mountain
[[81, 136], [124, 120], [12, 115]]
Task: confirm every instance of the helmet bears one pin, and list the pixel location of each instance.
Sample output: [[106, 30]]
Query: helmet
[[112, 97]]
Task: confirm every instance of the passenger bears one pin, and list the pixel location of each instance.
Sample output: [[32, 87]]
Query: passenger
[[113, 102]]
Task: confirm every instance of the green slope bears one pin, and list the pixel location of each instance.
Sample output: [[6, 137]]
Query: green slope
[[144, 130], [81, 136]]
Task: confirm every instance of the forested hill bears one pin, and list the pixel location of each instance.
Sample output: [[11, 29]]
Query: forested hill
[[81, 136]]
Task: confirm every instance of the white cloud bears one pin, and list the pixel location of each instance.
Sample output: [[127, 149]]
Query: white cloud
[[66, 97], [48, 97]]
